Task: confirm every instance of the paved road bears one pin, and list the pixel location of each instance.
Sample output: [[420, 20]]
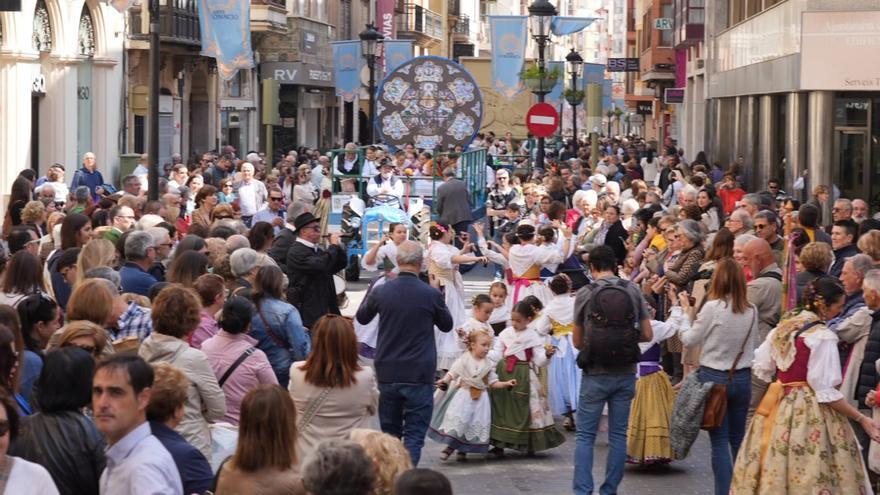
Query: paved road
[[550, 473]]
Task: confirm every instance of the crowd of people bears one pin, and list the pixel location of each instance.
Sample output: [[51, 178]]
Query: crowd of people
[[645, 294]]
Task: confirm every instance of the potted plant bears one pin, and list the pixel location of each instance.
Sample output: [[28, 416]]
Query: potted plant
[[574, 97], [539, 80]]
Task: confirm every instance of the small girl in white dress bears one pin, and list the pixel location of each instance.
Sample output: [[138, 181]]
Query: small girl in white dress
[[481, 309], [463, 418]]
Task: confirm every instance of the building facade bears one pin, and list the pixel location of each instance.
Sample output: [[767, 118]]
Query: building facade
[[794, 86], [61, 69]]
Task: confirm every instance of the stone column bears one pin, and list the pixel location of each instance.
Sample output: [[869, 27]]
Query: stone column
[[766, 140], [820, 141], [795, 140]]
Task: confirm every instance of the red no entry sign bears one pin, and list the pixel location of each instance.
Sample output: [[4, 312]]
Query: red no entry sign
[[542, 120]]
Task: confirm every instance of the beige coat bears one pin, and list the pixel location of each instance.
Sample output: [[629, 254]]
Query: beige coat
[[205, 401], [233, 481], [343, 410]]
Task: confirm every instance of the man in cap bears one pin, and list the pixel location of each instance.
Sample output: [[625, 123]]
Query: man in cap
[[311, 268]]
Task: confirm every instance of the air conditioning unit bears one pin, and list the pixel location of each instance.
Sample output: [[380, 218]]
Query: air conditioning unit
[[701, 63]]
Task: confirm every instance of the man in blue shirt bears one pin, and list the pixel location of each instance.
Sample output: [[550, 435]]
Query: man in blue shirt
[[165, 412], [406, 356], [140, 253], [89, 176]]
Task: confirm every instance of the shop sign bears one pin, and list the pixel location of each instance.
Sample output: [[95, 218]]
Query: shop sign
[[623, 65], [663, 23], [38, 85], [673, 95], [298, 73], [850, 40], [309, 41], [644, 107]]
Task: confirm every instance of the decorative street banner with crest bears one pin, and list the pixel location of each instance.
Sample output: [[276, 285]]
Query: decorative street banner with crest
[[226, 35], [509, 34], [396, 53], [347, 64], [561, 26], [555, 95], [430, 101]]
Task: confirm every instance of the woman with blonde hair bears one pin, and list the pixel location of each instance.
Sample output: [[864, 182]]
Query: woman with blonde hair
[[813, 262], [725, 327], [34, 216], [332, 386], [389, 457], [86, 335], [97, 252], [91, 300], [869, 244], [265, 459]]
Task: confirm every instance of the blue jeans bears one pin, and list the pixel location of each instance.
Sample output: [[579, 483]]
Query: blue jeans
[[405, 412], [597, 390], [729, 436]]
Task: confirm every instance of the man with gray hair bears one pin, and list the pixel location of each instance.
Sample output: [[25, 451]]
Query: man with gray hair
[[406, 354], [236, 242], [751, 203], [688, 195], [140, 254], [282, 242], [865, 353], [739, 222], [244, 263]]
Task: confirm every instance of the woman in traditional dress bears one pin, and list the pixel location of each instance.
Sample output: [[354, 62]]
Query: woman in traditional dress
[[525, 260], [381, 256], [800, 440], [443, 261], [564, 375]]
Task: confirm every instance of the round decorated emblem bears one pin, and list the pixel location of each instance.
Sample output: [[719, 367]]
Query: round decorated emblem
[[431, 102]]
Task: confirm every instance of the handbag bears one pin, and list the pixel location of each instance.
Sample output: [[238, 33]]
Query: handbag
[[310, 412], [716, 401]]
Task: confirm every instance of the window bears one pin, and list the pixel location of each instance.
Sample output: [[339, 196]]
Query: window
[[313, 9], [666, 35], [647, 30], [344, 20], [233, 86]]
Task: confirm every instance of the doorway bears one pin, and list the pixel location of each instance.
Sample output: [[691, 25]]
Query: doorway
[[35, 132], [853, 173]]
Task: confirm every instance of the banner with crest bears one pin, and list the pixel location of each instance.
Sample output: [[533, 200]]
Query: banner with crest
[[347, 65], [509, 34], [226, 35]]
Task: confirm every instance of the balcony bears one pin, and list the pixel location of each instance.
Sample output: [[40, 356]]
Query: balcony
[[178, 23], [689, 19], [268, 16], [461, 31], [454, 8], [423, 26]]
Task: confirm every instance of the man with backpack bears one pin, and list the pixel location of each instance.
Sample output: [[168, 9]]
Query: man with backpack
[[610, 319]]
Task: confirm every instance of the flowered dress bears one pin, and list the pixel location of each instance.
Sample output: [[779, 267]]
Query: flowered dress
[[647, 437], [796, 443], [440, 265], [462, 419], [521, 417], [564, 381]]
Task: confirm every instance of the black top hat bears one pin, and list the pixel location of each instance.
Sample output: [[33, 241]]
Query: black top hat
[[305, 219]]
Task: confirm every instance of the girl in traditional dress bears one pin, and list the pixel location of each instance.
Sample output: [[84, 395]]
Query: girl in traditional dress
[[800, 440], [564, 375], [647, 438], [481, 310], [501, 307], [463, 417], [521, 417], [443, 261], [525, 260], [381, 256]]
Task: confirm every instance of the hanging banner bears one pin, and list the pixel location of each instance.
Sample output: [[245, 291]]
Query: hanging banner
[[385, 25], [555, 95], [347, 64], [594, 74], [509, 35], [606, 95], [397, 52], [226, 35], [570, 25]]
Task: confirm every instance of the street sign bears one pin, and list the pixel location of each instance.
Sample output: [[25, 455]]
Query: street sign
[[644, 107], [542, 120], [663, 23], [673, 95], [623, 65]]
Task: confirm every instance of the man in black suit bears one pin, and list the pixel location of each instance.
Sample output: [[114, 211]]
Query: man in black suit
[[406, 355], [310, 270], [287, 236], [454, 202]]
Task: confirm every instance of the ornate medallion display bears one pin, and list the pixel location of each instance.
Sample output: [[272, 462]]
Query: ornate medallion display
[[430, 101]]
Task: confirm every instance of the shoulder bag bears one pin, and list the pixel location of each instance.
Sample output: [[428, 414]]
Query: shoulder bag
[[312, 409], [716, 400], [241, 359], [271, 333]]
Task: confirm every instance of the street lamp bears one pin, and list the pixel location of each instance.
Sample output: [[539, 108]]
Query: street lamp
[[370, 38], [541, 13], [575, 62]]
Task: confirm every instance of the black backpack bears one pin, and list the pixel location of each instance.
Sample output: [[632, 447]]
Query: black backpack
[[611, 335]]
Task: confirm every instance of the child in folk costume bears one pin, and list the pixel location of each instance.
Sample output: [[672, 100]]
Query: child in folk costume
[[525, 260], [799, 440], [647, 438], [463, 417], [500, 307], [381, 256], [521, 417], [481, 310], [564, 375], [443, 261]]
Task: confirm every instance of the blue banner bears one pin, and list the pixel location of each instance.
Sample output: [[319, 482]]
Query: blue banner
[[606, 95], [570, 25], [397, 52], [347, 64], [594, 74], [226, 35], [554, 97], [509, 35]]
